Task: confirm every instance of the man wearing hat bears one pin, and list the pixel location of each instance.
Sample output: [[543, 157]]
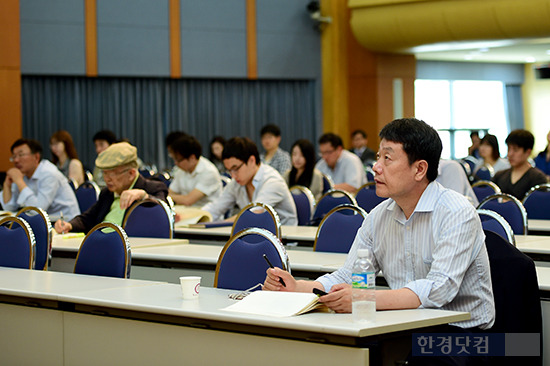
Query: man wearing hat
[[124, 185]]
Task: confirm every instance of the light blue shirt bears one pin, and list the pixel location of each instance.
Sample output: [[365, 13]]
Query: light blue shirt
[[348, 169], [270, 188], [439, 253], [47, 189]]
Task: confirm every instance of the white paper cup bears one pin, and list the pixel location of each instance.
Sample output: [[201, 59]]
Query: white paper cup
[[190, 287]]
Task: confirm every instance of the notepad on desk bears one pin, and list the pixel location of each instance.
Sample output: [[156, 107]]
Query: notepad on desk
[[191, 215], [277, 304]]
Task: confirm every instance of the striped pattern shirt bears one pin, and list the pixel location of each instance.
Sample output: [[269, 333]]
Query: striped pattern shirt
[[439, 253]]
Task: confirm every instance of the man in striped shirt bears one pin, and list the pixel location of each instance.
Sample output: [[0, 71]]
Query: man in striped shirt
[[426, 239]]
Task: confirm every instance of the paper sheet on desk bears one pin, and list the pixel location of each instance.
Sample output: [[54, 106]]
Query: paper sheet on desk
[[277, 304], [191, 215]]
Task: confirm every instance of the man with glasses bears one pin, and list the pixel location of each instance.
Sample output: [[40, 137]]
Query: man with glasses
[[124, 186], [36, 182], [252, 181], [344, 167]]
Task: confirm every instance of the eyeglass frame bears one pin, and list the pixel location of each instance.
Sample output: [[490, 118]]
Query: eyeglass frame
[[19, 156], [110, 174], [236, 169]]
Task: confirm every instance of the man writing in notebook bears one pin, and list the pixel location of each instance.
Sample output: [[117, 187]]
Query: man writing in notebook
[[427, 240]]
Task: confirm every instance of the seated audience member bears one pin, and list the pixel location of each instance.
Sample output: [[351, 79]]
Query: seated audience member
[[303, 172], [252, 181], [518, 179], [473, 150], [427, 239], [198, 182], [490, 155], [451, 175], [102, 140], [542, 161], [124, 186], [359, 142], [170, 138], [216, 150], [277, 158], [345, 168], [37, 182], [65, 157]]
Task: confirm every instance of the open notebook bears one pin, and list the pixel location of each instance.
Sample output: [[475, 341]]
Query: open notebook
[[191, 215], [278, 304]]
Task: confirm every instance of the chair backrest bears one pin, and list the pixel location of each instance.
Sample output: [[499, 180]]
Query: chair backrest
[[41, 226], [515, 290], [105, 251], [259, 215], [150, 218], [508, 207], [225, 180], [331, 199], [73, 183], [17, 244], [328, 184], [241, 264], [366, 197], [370, 173], [485, 172], [484, 188], [537, 202], [163, 177], [305, 203], [492, 221], [86, 195], [338, 228]]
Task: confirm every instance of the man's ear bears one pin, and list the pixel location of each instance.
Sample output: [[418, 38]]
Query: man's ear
[[252, 160], [421, 169]]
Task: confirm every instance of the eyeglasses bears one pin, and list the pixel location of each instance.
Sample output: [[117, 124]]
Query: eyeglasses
[[328, 152], [111, 173], [235, 170], [18, 156]]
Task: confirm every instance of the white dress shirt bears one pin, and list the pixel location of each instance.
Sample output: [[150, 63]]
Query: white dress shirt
[[204, 178], [439, 253], [451, 175], [348, 169], [270, 188], [47, 189]]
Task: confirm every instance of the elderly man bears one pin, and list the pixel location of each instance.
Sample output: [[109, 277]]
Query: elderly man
[[124, 186], [36, 182]]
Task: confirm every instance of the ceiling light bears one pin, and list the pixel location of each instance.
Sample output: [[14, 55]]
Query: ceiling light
[[530, 60]]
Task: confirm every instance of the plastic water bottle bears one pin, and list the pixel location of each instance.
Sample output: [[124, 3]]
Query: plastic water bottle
[[363, 305]]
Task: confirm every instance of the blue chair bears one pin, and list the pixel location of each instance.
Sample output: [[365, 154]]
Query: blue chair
[[17, 244], [105, 251], [366, 197], [328, 201], [149, 218], [370, 173], [73, 184], [225, 180], [328, 184], [163, 177], [41, 226], [537, 202], [484, 188], [492, 221], [241, 264], [508, 207], [484, 172], [258, 215], [305, 203], [86, 195], [338, 228]]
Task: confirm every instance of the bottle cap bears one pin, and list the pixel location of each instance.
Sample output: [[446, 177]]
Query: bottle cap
[[362, 253]]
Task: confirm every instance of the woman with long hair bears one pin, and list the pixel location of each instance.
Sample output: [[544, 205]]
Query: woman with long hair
[[65, 157], [303, 170], [490, 155], [216, 148]]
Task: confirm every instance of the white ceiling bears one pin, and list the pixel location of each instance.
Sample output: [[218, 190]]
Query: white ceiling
[[507, 51]]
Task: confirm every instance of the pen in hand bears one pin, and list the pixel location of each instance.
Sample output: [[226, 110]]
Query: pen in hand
[[62, 223], [271, 266]]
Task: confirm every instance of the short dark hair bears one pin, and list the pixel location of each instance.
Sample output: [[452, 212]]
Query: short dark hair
[[521, 138], [474, 133], [106, 135], [332, 139], [492, 141], [241, 148], [420, 142], [34, 145], [360, 132], [173, 136], [186, 146], [272, 129]]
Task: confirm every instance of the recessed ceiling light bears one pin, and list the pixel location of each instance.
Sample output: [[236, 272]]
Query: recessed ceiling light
[[530, 59], [468, 57], [548, 52], [484, 49]]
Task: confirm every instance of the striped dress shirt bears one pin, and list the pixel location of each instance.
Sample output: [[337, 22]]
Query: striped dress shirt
[[439, 253]]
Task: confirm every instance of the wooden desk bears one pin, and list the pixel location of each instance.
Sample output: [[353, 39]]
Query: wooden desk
[[538, 227], [535, 246], [129, 322], [62, 243]]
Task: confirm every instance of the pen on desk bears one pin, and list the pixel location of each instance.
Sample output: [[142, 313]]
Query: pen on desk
[[62, 223], [271, 266]]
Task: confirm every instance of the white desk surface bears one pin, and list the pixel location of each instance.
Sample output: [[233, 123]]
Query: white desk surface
[[538, 244], [59, 242], [538, 225], [162, 298], [302, 260], [298, 233]]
